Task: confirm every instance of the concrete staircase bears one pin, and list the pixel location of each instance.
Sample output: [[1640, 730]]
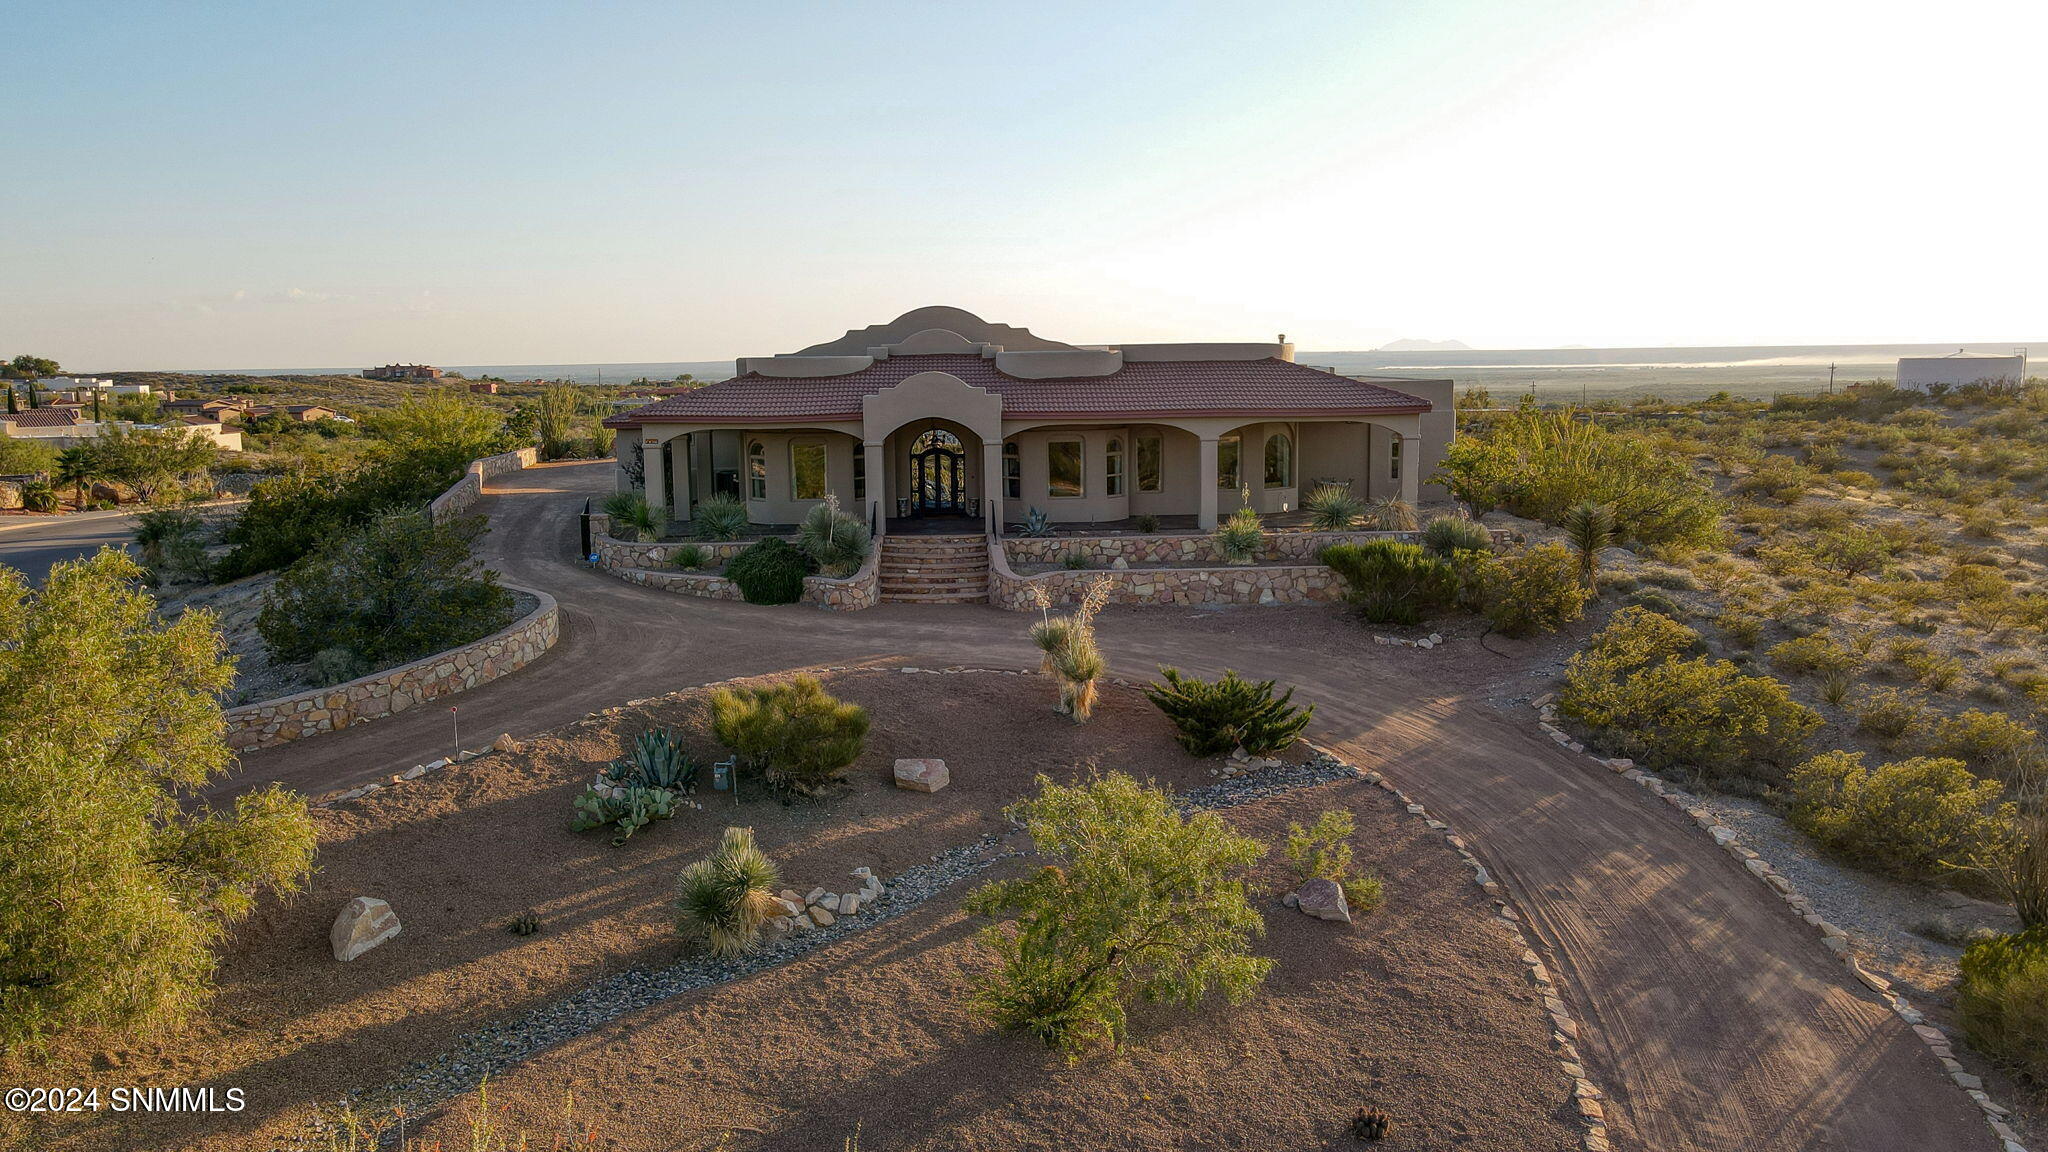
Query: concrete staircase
[[935, 569]]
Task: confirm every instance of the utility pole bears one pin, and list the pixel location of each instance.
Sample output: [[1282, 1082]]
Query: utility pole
[[1831, 378]]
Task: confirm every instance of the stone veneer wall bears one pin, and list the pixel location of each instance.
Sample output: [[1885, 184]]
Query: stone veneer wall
[[652, 566], [468, 490], [1155, 548], [1264, 584], [394, 690]]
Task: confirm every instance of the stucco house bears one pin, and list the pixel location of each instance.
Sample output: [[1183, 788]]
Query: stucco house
[[939, 415]]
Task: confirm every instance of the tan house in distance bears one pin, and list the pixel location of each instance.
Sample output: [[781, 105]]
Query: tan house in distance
[[940, 415]]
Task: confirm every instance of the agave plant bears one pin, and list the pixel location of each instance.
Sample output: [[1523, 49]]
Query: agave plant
[[1036, 523], [727, 897], [656, 761], [608, 802]]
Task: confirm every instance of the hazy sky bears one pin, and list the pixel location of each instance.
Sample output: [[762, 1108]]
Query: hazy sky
[[274, 184]]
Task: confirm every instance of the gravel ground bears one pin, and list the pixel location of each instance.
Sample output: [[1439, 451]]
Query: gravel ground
[[493, 1049], [1884, 917]]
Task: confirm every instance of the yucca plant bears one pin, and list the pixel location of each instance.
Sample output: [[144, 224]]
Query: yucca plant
[[1448, 535], [631, 514], [725, 898], [1071, 655], [1333, 508], [720, 517], [1589, 527], [691, 557], [1241, 538]]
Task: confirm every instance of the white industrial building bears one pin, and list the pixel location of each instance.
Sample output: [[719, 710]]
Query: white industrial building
[[1960, 367]]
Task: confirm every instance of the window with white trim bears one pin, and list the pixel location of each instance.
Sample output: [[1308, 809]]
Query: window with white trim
[[1063, 468], [1113, 467], [757, 471], [806, 470]]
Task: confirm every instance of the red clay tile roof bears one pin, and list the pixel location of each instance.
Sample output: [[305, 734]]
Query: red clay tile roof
[[43, 418], [1147, 388]]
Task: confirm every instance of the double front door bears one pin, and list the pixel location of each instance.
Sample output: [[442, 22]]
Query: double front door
[[937, 473]]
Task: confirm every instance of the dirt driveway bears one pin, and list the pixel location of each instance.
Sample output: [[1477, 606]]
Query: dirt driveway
[[1712, 1016]]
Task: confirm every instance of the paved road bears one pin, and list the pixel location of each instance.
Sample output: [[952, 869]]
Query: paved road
[[1712, 1016], [36, 547]]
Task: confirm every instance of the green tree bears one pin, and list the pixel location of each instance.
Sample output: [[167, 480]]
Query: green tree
[[555, 417], [441, 428], [150, 460], [1138, 902], [114, 889], [77, 466], [26, 367], [399, 588], [25, 456]]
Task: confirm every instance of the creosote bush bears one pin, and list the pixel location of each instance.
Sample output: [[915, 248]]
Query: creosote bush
[[1213, 717], [798, 736], [1323, 851], [1393, 582], [1643, 697], [725, 898], [2002, 1001], [769, 571], [1915, 819], [1534, 591], [1136, 902]]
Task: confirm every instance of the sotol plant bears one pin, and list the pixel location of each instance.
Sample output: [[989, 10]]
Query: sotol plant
[[1333, 508], [1241, 538], [720, 517]]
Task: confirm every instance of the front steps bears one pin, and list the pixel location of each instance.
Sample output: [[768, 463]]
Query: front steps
[[934, 569]]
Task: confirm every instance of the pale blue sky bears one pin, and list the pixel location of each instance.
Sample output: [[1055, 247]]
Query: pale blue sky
[[298, 184]]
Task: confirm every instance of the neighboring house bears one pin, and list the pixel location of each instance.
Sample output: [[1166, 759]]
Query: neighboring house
[[39, 422], [67, 427], [306, 413], [403, 372], [939, 413], [230, 440], [1960, 367], [485, 387], [216, 409]]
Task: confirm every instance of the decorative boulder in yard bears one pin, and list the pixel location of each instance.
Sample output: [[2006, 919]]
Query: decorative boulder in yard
[[1323, 899], [921, 775], [364, 924]]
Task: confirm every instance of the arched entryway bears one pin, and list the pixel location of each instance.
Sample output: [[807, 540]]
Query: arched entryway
[[938, 474]]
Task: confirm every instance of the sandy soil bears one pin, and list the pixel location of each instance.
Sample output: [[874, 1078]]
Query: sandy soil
[[1418, 1010], [461, 852]]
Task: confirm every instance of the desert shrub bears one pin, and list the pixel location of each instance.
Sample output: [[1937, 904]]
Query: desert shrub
[[1989, 742], [725, 898], [1589, 528], [1933, 670], [1534, 591], [799, 737], [691, 557], [1448, 535], [1389, 514], [1643, 699], [1212, 717], [1333, 508], [1074, 561], [719, 517], [1910, 818], [1779, 477], [118, 883], [2002, 1000], [632, 516], [1393, 582], [836, 542], [1889, 713], [1540, 462], [1241, 538], [173, 542], [1071, 656], [26, 456], [1146, 522], [1323, 851], [38, 496], [769, 571], [400, 587], [1136, 902], [295, 514], [1817, 654], [646, 784]]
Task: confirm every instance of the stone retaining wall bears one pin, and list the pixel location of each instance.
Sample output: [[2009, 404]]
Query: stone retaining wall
[[1158, 548], [653, 566], [1265, 584], [614, 554], [289, 718], [852, 593], [468, 490]]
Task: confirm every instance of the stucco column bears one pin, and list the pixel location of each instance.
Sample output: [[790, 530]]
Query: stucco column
[[685, 465], [992, 483], [657, 478], [877, 510], [1411, 468], [1205, 480]]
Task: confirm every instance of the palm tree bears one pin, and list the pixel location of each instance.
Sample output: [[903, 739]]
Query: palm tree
[[77, 466]]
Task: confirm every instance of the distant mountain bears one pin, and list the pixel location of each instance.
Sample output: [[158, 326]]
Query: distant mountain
[[1424, 346]]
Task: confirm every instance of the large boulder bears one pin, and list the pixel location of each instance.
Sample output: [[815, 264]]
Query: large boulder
[[1323, 899], [922, 775], [364, 924], [10, 494]]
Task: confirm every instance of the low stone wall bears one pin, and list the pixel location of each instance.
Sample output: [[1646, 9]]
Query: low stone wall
[[653, 566], [1192, 548], [708, 585], [288, 718], [1263, 584], [852, 593], [614, 554], [468, 490]]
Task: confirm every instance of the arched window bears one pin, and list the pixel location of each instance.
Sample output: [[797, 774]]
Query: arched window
[[935, 438], [757, 471], [1113, 466], [1279, 461]]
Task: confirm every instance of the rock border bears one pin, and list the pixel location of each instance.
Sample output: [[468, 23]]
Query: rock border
[[1831, 937]]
